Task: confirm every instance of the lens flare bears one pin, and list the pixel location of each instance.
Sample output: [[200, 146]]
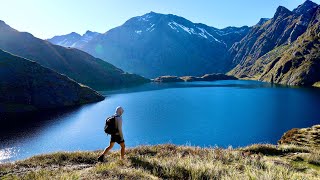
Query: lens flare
[[99, 49]]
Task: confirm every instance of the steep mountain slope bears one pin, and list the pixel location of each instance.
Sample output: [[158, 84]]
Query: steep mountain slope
[[283, 29], [27, 86], [157, 44], [295, 60], [300, 63], [74, 63]]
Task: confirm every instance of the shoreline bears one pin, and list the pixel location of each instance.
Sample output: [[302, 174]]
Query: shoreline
[[168, 161]]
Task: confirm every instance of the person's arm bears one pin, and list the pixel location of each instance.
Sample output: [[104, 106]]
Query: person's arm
[[120, 128]]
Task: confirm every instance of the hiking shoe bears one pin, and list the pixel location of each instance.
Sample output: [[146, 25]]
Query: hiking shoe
[[100, 158]]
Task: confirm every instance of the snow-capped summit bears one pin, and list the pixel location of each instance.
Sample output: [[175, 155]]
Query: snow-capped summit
[[73, 39]]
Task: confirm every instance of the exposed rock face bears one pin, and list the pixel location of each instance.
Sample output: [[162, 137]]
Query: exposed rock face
[[155, 44], [74, 63], [304, 136], [207, 77], [27, 86], [300, 63], [284, 28]]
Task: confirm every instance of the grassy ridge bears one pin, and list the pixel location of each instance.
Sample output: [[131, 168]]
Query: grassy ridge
[[303, 137], [261, 161]]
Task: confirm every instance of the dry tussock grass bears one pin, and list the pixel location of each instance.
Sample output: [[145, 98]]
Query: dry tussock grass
[[259, 161]]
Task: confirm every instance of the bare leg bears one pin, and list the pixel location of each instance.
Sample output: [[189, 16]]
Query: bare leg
[[123, 149], [108, 148]]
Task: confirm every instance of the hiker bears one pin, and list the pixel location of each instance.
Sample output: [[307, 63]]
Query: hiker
[[117, 137]]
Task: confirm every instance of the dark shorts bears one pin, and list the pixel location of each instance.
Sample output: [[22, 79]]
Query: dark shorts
[[116, 138]]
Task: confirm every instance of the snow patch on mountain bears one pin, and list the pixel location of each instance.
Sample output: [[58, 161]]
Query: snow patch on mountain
[[193, 31], [202, 33], [67, 43], [151, 28], [225, 32], [145, 18], [188, 30], [172, 27], [88, 37], [176, 26], [205, 34]]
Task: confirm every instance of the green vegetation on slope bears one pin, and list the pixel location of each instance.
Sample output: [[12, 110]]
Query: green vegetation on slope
[[284, 50], [27, 86], [300, 64], [254, 71]]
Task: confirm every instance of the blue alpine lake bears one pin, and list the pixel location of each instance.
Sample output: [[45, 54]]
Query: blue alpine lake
[[206, 114]]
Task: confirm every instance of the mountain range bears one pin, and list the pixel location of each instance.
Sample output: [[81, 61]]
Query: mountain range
[[282, 49], [74, 39], [157, 44], [76, 64]]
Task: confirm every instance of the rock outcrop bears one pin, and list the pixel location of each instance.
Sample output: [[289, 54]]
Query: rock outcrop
[[167, 79], [207, 77]]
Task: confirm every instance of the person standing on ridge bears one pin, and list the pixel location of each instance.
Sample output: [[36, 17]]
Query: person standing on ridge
[[117, 137]]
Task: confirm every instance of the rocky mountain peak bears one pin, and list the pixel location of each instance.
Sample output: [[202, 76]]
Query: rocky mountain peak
[[151, 16], [90, 33], [148, 16], [74, 34], [262, 21], [4, 25], [305, 7], [152, 13], [282, 12]]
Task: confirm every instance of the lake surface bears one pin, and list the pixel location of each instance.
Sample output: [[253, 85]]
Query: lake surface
[[220, 113]]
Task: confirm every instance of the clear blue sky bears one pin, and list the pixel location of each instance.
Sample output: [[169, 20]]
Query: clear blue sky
[[46, 18]]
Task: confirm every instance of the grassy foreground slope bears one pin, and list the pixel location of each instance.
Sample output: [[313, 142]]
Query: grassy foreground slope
[[260, 161], [174, 162]]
